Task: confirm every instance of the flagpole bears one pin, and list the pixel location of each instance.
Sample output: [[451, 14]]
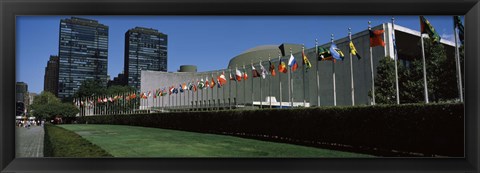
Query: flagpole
[[218, 94], [280, 79], [351, 68], [252, 81], [457, 61], [223, 90], [333, 77], [371, 69], [318, 74], [303, 78], [261, 76], [396, 57], [424, 71], [236, 88], [230, 89], [290, 84], [253, 78], [244, 86], [270, 83]]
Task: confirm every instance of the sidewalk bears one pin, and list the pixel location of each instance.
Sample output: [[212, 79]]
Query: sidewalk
[[29, 142]]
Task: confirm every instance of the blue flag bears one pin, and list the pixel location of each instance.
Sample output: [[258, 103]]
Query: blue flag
[[336, 52]]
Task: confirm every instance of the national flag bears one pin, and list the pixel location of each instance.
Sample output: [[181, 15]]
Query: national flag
[[306, 62], [175, 90], [164, 92], [458, 24], [99, 100], [245, 76], [264, 72], [180, 88], [238, 75], [194, 88], [221, 79], [133, 95], [272, 68], [324, 54], [184, 86], [353, 51], [376, 38], [282, 67], [190, 86], [201, 84], [255, 73], [292, 63], [149, 94], [170, 90], [426, 27], [207, 83], [336, 52], [212, 83], [105, 100], [231, 76]]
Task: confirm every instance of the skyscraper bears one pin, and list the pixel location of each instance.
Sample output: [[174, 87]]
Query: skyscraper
[[145, 49], [83, 52], [50, 83]]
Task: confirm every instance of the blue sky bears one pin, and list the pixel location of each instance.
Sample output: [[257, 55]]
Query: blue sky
[[206, 41]]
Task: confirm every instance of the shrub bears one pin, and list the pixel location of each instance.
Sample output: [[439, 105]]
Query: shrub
[[432, 129]]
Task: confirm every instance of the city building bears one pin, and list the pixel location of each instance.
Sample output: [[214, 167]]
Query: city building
[[50, 82], [83, 54], [145, 49], [304, 89], [21, 98], [31, 96], [119, 80]]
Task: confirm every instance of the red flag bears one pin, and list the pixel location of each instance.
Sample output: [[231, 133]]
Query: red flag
[[222, 80], [376, 38], [272, 68]]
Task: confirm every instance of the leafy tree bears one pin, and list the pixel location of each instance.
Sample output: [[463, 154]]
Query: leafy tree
[[46, 106], [90, 88], [441, 78]]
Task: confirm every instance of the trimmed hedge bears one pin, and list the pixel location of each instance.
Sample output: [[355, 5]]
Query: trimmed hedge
[[59, 142], [433, 129]]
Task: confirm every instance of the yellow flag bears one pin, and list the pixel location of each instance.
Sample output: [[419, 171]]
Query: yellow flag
[[353, 51]]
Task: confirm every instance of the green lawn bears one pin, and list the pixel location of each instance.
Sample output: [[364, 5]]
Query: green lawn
[[131, 141]]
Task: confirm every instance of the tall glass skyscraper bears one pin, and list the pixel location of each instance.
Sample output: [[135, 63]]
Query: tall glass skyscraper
[[50, 82], [83, 52], [145, 49]]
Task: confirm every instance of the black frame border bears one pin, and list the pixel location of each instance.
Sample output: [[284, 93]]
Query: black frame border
[[9, 9]]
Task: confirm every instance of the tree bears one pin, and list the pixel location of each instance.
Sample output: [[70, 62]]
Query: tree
[[47, 106], [90, 88], [441, 79]]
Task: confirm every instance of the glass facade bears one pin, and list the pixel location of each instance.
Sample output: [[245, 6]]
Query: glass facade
[[83, 52], [50, 83], [145, 49]]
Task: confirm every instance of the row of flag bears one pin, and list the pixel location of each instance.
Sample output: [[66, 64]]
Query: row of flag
[[333, 53]]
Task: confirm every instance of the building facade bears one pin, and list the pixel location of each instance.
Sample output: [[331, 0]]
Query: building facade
[[50, 82], [145, 49], [303, 87], [83, 54]]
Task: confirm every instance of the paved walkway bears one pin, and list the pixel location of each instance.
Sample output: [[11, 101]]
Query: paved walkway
[[29, 142]]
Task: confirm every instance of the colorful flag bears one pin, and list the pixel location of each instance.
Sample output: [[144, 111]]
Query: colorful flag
[[184, 86], [207, 83], [194, 88], [324, 54], [306, 62], [149, 93], [180, 88], [238, 75], [170, 90], [292, 63], [212, 83], [221, 79], [190, 86], [353, 51], [426, 27], [231, 76], [272, 68], [264, 72], [376, 38], [458, 24], [201, 84], [255, 73], [245, 76], [105, 100], [282, 67], [336, 52]]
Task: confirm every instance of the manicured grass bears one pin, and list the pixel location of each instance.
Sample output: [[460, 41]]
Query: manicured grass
[[64, 143], [132, 141]]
